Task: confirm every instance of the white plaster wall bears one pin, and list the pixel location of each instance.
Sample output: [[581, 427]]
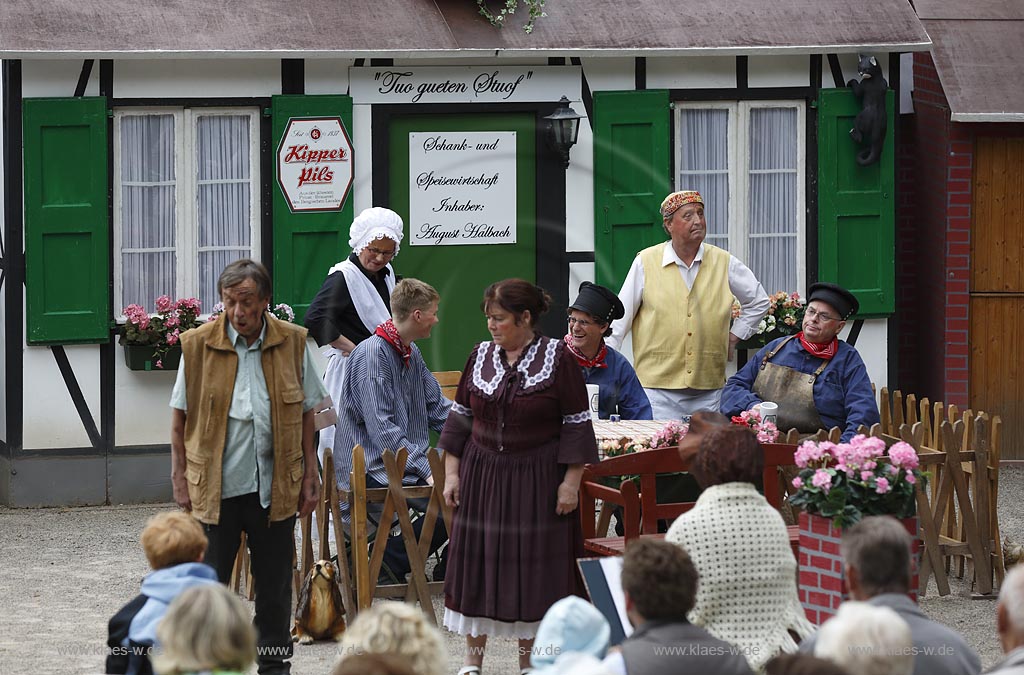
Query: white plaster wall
[[779, 71], [578, 273], [196, 78], [692, 72], [610, 74], [56, 78], [327, 76], [51, 420], [142, 414], [872, 344], [476, 61], [906, 84], [579, 190], [362, 143]]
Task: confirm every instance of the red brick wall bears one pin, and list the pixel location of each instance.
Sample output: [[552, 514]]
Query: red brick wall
[[934, 165]]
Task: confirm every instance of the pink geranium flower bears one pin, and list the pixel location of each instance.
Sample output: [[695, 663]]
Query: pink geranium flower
[[882, 486], [822, 480]]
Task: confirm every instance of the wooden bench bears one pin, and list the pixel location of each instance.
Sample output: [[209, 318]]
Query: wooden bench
[[641, 510]]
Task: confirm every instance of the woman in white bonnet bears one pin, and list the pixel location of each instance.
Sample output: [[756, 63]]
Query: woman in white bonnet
[[356, 296]]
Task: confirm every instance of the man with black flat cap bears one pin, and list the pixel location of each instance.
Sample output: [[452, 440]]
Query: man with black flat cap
[[817, 381], [619, 390]]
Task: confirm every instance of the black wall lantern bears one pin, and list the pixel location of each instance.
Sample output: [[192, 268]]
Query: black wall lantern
[[564, 127]]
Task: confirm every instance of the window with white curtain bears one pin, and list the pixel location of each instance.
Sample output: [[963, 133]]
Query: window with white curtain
[[185, 200], [746, 159]]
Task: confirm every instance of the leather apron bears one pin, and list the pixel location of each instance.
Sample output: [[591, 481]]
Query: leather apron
[[792, 390]]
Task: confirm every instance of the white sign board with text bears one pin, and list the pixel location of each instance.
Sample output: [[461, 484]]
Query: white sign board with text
[[314, 164], [464, 84], [462, 188]]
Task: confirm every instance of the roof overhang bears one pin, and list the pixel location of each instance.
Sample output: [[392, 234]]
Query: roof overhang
[[979, 56], [312, 29]]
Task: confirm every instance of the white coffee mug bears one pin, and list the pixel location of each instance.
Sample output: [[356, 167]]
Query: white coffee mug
[[770, 412], [592, 395]]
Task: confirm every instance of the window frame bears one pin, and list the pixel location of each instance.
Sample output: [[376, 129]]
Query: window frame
[[186, 206], [738, 139]]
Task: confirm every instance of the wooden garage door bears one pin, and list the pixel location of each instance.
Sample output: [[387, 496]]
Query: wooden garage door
[[997, 288]]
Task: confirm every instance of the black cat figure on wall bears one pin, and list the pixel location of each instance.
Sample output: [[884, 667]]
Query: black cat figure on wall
[[870, 124]]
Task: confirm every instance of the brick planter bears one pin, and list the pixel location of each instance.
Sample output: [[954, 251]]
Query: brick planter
[[822, 586]]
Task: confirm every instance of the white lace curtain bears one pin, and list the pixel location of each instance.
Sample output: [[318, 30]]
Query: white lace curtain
[[764, 235], [223, 198], [151, 237], [148, 209]]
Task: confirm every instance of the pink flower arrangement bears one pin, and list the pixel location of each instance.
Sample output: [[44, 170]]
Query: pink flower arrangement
[[785, 316], [161, 330], [847, 481], [766, 432]]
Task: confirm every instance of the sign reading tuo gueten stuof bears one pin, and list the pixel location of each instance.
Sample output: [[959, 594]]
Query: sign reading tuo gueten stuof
[[462, 188], [314, 163]]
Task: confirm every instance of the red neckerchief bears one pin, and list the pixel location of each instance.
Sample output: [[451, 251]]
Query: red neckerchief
[[390, 334], [596, 362], [822, 351]]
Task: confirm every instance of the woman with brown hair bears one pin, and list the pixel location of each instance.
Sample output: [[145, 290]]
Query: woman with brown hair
[[515, 444], [739, 543]]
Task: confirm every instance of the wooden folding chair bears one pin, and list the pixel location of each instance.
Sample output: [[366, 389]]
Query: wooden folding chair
[[367, 559]]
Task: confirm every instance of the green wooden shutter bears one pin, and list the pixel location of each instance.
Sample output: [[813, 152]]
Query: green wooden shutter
[[856, 207], [306, 244], [632, 152], [67, 233]]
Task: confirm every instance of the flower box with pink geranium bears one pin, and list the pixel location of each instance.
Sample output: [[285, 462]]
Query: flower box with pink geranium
[[766, 432], [151, 341], [847, 481], [838, 484]]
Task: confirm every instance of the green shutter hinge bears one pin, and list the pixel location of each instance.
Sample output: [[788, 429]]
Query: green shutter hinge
[[266, 112], [110, 113], [814, 104]]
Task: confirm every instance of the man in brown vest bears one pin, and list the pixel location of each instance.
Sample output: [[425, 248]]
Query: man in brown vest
[[243, 457], [678, 301]]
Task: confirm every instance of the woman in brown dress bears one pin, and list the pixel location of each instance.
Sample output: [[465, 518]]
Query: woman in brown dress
[[515, 444]]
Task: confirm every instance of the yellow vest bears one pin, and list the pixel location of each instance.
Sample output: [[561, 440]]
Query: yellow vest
[[681, 335], [211, 363]]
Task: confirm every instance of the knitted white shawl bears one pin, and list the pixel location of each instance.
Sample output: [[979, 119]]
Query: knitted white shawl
[[747, 592]]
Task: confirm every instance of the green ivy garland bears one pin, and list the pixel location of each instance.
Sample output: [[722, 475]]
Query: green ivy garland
[[535, 7]]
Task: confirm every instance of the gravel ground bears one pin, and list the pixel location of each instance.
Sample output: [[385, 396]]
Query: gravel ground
[[66, 571]]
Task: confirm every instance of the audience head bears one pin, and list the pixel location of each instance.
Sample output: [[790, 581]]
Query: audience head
[[1010, 611], [373, 664], [570, 626], [659, 581], [867, 640], [523, 300], [802, 664], [729, 454], [701, 424], [398, 629], [206, 628], [411, 295], [876, 554], [242, 270], [171, 538]]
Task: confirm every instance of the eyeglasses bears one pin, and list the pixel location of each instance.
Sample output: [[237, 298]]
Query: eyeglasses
[[377, 252], [811, 312], [582, 323]]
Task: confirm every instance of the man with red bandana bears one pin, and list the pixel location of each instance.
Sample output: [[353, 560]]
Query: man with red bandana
[[619, 390], [818, 381]]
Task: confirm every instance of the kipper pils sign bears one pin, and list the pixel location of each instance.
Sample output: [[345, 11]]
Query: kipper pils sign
[[314, 164]]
